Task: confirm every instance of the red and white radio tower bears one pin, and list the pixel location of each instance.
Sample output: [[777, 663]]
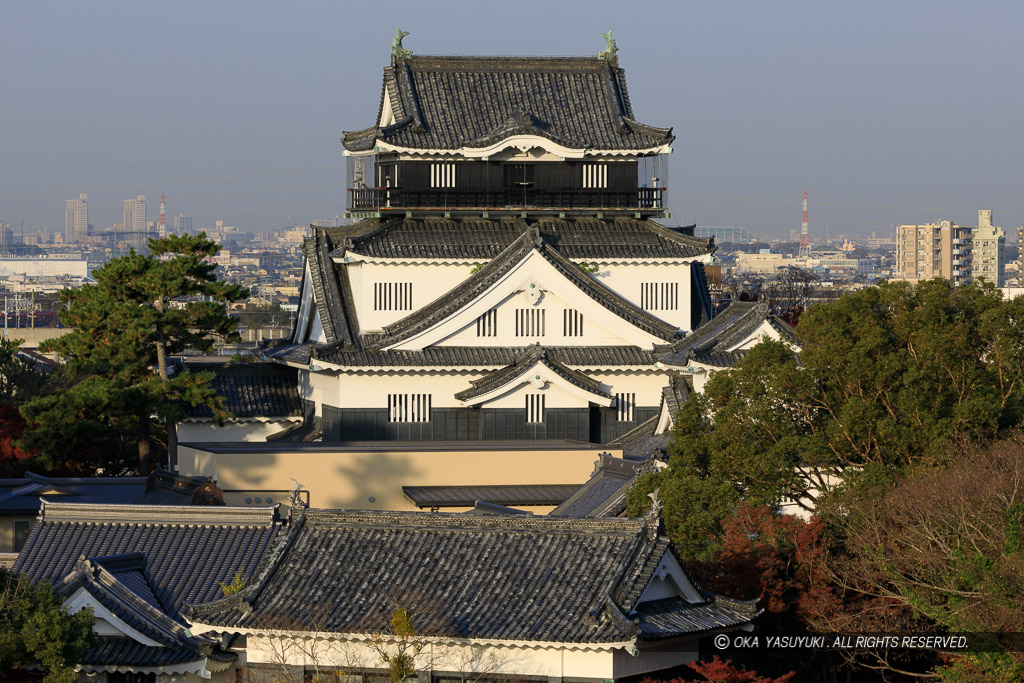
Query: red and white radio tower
[[805, 238], [162, 227]]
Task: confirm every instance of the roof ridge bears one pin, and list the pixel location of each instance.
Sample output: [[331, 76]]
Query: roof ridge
[[457, 521], [158, 514]]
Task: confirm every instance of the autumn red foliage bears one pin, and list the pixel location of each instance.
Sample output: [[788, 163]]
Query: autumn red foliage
[[13, 460], [721, 671]]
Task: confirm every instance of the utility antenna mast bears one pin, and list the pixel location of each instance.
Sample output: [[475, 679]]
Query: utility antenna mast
[[805, 238], [162, 227]]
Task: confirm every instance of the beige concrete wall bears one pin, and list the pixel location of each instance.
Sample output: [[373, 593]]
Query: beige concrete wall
[[351, 478]]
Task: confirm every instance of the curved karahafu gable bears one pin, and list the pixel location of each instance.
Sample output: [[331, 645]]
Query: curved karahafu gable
[[466, 104]]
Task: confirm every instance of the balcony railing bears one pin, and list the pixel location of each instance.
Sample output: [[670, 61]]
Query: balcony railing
[[377, 198]]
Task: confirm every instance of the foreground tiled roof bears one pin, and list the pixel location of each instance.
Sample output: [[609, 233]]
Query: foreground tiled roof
[[120, 584], [442, 102], [252, 390], [481, 238], [604, 494], [508, 494], [507, 577], [23, 495], [189, 550]]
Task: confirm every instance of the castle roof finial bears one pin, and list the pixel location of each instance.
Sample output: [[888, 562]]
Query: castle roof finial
[[611, 49], [396, 45]]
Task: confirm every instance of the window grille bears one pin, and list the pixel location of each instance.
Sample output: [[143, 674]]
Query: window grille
[[442, 175], [529, 322], [535, 407], [659, 296], [595, 175], [409, 407], [572, 323], [487, 324], [625, 403], [392, 296]]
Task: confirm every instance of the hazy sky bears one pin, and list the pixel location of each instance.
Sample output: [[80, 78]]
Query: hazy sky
[[887, 112]]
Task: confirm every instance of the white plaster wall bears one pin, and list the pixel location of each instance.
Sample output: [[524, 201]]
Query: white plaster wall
[[371, 389], [430, 281], [765, 330], [646, 384], [232, 430], [490, 658], [553, 305], [319, 387]]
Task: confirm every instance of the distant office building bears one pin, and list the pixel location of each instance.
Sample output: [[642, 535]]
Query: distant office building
[[181, 224], [76, 219], [961, 253], [135, 222]]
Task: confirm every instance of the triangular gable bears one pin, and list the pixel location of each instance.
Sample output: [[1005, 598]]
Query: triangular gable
[[670, 580], [527, 265], [535, 372], [763, 331], [107, 622]]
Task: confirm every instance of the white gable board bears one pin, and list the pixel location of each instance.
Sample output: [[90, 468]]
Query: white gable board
[[531, 269]]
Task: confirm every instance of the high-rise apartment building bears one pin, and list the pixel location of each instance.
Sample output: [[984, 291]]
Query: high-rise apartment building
[[76, 219], [961, 253], [135, 222], [989, 248], [181, 224]]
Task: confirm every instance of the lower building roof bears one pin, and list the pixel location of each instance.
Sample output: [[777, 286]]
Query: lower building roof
[[509, 494], [497, 577]]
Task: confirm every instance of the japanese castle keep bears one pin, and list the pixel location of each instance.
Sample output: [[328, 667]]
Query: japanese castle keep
[[506, 277]]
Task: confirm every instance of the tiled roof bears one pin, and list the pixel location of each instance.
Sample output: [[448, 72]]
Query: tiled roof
[[675, 393], [23, 495], [642, 442], [480, 281], [189, 550], [507, 577], [660, 617], [481, 238], [512, 375], [604, 494], [253, 390], [121, 585], [455, 102], [727, 329], [488, 356], [508, 494], [719, 359]]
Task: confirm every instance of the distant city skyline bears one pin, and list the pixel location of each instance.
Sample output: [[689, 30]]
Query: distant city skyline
[[887, 114]]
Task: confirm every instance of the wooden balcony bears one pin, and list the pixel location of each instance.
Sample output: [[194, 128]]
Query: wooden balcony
[[644, 200]]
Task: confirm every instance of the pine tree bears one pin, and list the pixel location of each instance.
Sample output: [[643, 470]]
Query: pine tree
[[124, 328]]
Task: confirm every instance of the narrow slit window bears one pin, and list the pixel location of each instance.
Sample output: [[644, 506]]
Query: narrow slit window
[[659, 296], [529, 322], [487, 324], [392, 296], [625, 405], [409, 407], [535, 407], [572, 323], [442, 175]]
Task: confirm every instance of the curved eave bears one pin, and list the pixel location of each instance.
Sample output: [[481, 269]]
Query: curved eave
[[516, 141], [569, 380]]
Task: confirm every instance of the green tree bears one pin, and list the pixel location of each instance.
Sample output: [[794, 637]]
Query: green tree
[[20, 379], [35, 629], [888, 378], [123, 330]]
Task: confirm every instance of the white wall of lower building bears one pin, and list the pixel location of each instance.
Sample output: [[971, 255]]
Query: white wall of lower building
[[233, 430]]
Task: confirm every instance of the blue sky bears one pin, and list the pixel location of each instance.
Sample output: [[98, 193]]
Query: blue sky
[[887, 112]]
